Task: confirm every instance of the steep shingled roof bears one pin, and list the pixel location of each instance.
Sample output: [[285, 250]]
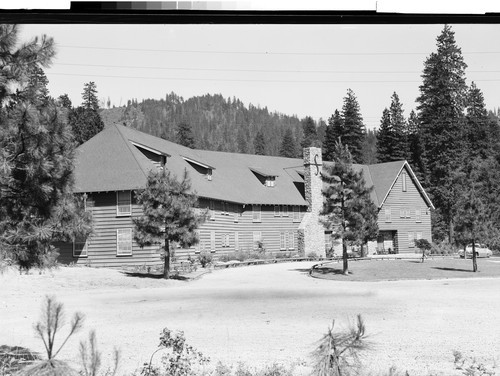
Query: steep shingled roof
[[109, 162]]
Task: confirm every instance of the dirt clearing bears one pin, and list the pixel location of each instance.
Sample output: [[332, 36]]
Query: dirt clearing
[[262, 314]]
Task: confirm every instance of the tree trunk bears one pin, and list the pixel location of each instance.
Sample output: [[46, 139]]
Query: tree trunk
[[166, 268], [451, 234], [474, 258], [345, 269]]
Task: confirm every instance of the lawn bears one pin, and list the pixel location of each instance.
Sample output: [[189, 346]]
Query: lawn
[[391, 270]]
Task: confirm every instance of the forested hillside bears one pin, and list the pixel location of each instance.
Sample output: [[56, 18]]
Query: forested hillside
[[217, 123]]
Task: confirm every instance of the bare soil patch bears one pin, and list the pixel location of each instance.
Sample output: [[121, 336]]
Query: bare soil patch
[[262, 314]]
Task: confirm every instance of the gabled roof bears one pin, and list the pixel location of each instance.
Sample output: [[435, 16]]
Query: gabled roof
[[110, 162]]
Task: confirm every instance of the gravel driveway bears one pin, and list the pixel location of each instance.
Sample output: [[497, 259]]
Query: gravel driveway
[[262, 314]]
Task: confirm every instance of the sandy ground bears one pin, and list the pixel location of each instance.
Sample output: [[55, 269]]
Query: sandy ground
[[263, 314]]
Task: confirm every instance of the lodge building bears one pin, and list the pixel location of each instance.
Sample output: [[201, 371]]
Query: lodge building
[[253, 201]]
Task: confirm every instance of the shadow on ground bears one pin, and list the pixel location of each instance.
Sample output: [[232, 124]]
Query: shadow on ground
[[452, 269], [154, 276]]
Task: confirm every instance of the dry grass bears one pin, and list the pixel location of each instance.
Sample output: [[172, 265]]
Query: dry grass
[[392, 270]]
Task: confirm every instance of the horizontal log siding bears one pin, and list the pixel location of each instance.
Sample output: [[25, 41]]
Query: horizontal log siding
[[102, 245], [411, 199], [270, 227]]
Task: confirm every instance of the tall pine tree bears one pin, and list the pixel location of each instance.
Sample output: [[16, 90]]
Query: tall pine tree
[[259, 143], [310, 135], [353, 132], [332, 134], [385, 138], [288, 148], [85, 120], [185, 136], [399, 127], [348, 209], [441, 107], [89, 95]]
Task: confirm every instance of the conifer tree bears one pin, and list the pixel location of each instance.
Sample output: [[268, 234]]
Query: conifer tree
[[288, 148], [37, 206], [64, 101], [348, 209], [399, 128], [415, 155], [441, 106], [85, 120], [259, 143], [354, 131], [333, 132], [169, 214], [310, 135], [185, 136], [385, 138], [89, 95]]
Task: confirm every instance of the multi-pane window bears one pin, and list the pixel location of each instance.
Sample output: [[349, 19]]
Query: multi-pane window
[[270, 181], [404, 212], [225, 240], [211, 211], [277, 211], [282, 241], [284, 210], [256, 213], [257, 238], [80, 247], [212, 241], [123, 203], [411, 242], [296, 213], [387, 212], [291, 240], [403, 178], [418, 215], [124, 242]]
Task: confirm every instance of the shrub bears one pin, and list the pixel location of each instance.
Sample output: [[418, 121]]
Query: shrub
[[181, 359], [337, 354], [205, 258], [313, 255], [443, 248]]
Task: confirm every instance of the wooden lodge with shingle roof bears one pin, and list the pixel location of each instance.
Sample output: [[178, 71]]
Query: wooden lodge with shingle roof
[[251, 199]]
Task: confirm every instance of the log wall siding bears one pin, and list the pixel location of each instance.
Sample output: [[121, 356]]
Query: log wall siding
[[399, 203], [102, 244]]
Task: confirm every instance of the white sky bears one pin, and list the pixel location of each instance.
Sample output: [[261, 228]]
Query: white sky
[[293, 69]]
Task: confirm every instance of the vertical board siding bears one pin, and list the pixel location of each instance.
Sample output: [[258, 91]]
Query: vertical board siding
[[401, 202], [102, 244]]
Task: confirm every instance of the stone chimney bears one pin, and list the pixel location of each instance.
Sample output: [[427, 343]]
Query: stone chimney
[[311, 230]]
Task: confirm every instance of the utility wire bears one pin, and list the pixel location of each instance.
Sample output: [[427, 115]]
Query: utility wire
[[267, 52]]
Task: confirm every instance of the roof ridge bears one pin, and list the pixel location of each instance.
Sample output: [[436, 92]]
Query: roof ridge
[[129, 146]]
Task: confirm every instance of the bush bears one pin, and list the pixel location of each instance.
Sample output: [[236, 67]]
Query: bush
[[313, 255], [205, 258], [443, 248]]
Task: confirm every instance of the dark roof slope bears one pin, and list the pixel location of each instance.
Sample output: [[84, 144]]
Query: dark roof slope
[[109, 162]]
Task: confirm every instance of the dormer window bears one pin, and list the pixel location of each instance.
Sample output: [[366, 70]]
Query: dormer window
[[267, 178], [158, 158], [201, 168]]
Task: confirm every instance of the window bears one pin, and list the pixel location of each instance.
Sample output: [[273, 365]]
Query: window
[[257, 238], [411, 242], [209, 174], [404, 213], [282, 241], [212, 241], [236, 241], [387, 212], [284, 210], [225, 240], [296, 213], [408, 214], [403, 178], [80, 247], [418, 215], [211, 208], [270, 181], [123, 203], [291, 240], [124, 242], [277, 211], [236, 217], [256, 213], [418, 236], [225, 208]]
